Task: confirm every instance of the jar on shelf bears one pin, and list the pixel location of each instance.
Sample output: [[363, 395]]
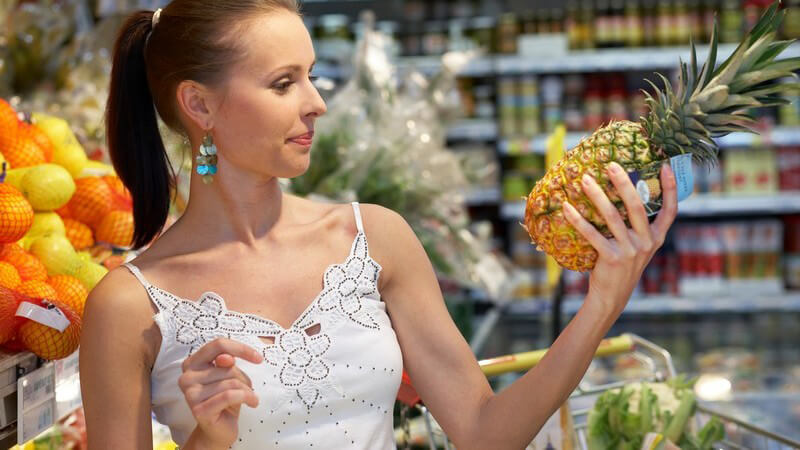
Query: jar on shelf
[[334, 40], [507, 33], [481, 31], [434, 38]]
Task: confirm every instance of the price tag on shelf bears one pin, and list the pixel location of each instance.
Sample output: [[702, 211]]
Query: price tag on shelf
[[68, 386], [36, 405]]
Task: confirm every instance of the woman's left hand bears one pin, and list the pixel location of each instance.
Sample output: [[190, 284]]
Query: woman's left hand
[[622, 260]]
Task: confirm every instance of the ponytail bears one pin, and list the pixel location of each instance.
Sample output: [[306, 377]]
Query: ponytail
[[134, 141]]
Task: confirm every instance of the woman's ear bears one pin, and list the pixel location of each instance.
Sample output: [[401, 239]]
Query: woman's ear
[[196, 103]]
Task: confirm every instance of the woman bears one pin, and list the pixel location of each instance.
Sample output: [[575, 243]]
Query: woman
[[257, 363]]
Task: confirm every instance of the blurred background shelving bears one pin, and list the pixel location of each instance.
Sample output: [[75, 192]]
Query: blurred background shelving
[[582, 64]]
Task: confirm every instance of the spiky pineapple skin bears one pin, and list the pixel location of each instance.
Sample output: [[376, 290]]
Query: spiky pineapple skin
[[623, 142]]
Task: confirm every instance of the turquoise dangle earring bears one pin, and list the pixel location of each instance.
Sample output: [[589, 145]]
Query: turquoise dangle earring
[[207, 159]]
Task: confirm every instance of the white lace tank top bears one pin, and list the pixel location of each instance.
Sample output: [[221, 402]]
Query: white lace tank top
[[328, 381]]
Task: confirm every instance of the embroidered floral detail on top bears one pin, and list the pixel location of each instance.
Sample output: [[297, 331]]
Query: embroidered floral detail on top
[[303, 369], [299, 358], [198, 323]]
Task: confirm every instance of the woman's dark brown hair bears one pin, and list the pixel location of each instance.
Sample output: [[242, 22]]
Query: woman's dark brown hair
[[192, 40]]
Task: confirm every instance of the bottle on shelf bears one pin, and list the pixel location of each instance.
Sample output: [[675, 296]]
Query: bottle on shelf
[[649, 23], [731, 22], [665, 26], [681, 23], [552, 95], [618, 25], [529, 110], [587, 19], [603, 34], [696, 21], [507, 106], [791, 23], [528, 23], [482, 32], [507, 32], [573, 26], [634, 33], [709, 9]]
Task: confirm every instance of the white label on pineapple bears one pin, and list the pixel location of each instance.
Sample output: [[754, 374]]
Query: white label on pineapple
[[52, 316], [648, 183], [682, 167]]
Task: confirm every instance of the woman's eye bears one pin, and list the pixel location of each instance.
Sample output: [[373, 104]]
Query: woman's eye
[[284, 86], [313, 78]]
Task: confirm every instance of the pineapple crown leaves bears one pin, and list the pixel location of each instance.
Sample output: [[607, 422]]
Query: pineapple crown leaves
[[715, 101]]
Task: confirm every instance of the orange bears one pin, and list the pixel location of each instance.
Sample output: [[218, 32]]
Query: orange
[[64, 212], [16, 214], [79, 234], [43, 141], [9, 277], [20, 148], [116, 229], [37, 289], [9, 322], [28, 266], [91, 201], [113, 261], [7, 249], [8, 124], [121, 197], [49, 343], [70, 291], [8, 118]]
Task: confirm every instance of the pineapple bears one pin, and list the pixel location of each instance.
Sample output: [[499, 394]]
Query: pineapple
[[706, 104]]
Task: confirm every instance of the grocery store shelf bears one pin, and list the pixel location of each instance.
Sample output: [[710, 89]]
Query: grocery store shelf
[[781, 136], [712, 205], [707, 205], [665, 304], [476, 67], [595, 60], [789, 302], [482, 196], [473, 129]]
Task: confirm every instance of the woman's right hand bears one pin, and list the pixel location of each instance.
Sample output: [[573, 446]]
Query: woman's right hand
[[215, 390]]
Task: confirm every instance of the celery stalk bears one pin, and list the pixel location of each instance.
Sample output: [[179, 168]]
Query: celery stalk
[[683, 413]]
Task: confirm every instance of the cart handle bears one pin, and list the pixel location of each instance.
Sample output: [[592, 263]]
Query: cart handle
[[519, 362]]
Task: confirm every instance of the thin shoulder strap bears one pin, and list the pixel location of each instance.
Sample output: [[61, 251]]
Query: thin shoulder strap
[[138, 274], [357, 212], [162, 299]]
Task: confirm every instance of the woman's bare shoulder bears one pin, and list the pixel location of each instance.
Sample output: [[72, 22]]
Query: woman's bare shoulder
[[387, 232], [119, 308]]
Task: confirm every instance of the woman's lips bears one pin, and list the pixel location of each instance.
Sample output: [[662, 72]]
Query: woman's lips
[[304, 139]]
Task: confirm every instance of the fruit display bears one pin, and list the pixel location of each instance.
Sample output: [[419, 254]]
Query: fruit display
[[704, 104], [64, 219]]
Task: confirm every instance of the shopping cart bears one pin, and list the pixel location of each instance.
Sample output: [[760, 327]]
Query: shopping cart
[[656, 365]]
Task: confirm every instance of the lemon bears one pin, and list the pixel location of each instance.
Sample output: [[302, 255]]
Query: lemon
[[84, 256], [47, 186], [67, 151], [90, 273], [56, 253], [45, 223], [14, 177], [96, 169]]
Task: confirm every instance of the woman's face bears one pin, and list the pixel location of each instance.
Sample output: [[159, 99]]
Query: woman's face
[[266, 114]]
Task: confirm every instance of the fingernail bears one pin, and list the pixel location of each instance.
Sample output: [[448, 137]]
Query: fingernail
[[614, 168], [586, 179]]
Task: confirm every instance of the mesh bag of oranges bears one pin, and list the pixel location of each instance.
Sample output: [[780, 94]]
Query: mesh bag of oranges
[[49, 328]]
